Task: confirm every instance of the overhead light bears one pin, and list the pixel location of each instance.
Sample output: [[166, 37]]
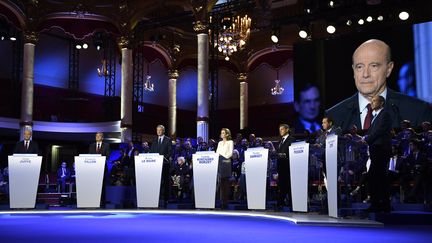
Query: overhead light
[[2, 38], [275, 35], [303, 34], [226, 58], [349, 22], [331, 29], [12, 38], [380, 18], [360, 22], [78, 46], [331, 4], [369, 19], [85, 46], [274, 38], [308, 10], [98, 47], [403, 15]]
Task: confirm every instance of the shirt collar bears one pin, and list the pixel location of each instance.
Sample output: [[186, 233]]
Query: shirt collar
[[284, 137], [363, 102]]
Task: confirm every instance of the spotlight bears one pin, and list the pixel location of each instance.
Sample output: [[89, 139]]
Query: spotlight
[[275, 35], [78, 46], [274, 38], [2, 38], [331, 4], [227, 58], [331, 29], [360, 22], [303, 34], [98, 47], [85, 46], [12, 38], [349, 22], [369, 19], [403, 15], [380, 18], [308, 10]]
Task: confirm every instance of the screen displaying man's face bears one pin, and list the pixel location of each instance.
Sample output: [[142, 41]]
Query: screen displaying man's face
[[308, 105]]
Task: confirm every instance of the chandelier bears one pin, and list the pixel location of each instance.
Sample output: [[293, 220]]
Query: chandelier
[[148, 85], [233, 35], [103, 70], [277, 89]]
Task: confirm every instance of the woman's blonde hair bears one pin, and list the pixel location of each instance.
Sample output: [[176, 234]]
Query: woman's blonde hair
[[228, 132]]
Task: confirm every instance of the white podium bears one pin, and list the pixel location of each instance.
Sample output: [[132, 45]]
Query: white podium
[[148, 171], [205, 167], [89, 175], [24, 171], [331, 151], [256, 161], [299, 169]]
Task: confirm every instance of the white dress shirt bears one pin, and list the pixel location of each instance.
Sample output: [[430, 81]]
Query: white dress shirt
[[225, 149], [363, 102]]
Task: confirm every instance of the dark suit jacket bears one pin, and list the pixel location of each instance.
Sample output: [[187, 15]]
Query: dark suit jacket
[[32, 149], [321, 139], [283, 155], [162, 149], [104, 150], [67, 173], [400, 107], [379, 133]]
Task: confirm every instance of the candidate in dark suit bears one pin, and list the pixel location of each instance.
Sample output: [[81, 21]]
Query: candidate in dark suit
[[102, 148], [372, 65], [378, 137], [26, 146], [283, 166], [163, 146], [328, 128]]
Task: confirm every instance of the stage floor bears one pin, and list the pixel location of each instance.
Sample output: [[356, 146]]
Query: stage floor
[[196, 226]]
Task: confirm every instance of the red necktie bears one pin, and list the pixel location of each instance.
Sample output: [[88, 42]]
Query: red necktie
[[368, 119]]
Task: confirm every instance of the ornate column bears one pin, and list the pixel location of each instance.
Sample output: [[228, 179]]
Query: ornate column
[[172, 102], [244, 101], [126, 90], [27, 91], [203, 92]]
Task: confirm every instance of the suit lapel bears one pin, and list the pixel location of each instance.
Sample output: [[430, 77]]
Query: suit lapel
[[392, 105], [353, 113]]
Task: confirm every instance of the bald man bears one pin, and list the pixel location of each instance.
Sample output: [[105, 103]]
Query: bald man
[[372, 65]]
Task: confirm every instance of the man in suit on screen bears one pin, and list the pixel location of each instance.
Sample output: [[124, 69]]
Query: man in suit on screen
[[372, 65]]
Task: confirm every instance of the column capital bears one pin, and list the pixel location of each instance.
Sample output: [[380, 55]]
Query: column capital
[[202, 118], [242, 77], [200, 27], [123, 42], [173, 74], [30, 37]]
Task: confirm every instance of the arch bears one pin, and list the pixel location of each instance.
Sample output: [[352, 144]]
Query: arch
[[13, 14], [270, 56]]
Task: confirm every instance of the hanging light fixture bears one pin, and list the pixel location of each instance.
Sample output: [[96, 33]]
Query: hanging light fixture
[[277, 89], [148, 85], [233, 35], [103, 71]]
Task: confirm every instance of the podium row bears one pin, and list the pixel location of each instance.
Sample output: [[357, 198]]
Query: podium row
[[24, 171]]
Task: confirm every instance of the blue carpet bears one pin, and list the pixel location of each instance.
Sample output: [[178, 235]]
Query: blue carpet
[[128, 227]]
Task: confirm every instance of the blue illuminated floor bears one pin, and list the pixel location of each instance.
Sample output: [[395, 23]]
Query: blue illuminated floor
[[155, 227]]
